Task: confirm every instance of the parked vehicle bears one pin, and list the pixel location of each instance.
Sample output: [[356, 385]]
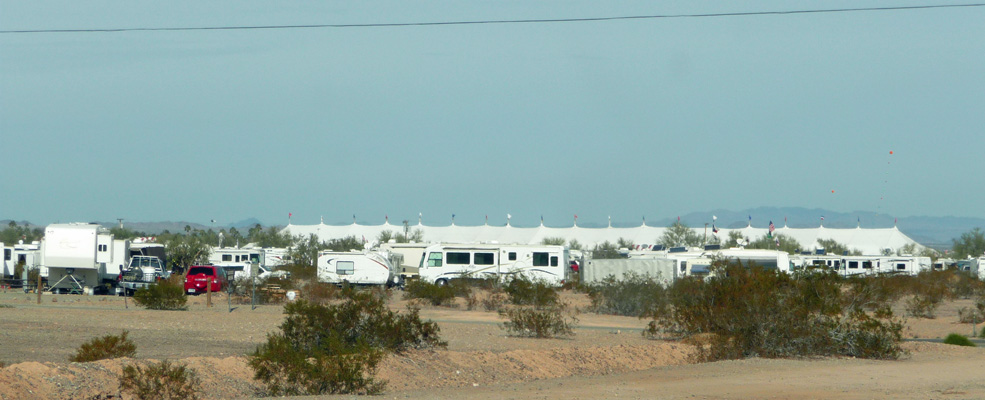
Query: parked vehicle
[[443, 262], [142, 272], [199, 276], [80, 257], [356, 267]]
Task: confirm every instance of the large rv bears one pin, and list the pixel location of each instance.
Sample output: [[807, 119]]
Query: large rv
[[81, 257], [357, 267], [443, 262]]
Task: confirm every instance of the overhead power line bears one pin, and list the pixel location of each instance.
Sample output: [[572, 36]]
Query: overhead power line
[[502, 21]]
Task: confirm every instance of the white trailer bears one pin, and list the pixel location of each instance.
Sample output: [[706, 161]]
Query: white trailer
[[357, 267], [443, 262], [28, 255], [77, 257]]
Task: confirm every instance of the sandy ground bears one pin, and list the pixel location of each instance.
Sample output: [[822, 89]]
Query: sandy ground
[[607, 357]]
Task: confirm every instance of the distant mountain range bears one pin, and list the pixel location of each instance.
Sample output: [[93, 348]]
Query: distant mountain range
[[930, 231]]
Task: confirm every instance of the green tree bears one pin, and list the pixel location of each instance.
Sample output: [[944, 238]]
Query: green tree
[[573, 244], [679, 234], [624, 243], [734, 237], [970, 244], [787, 243], [385, 236], [552, 241], [606, 250], [416, 236], [832, 246], [185, 250]]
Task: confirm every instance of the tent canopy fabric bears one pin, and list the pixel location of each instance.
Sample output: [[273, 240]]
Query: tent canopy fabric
[[868, 241]]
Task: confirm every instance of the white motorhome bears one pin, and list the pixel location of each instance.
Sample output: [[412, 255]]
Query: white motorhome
[[871, 265], [443, 262], [79, 257], [357, 267]]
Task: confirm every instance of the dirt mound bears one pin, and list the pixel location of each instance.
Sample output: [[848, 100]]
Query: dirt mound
[[440, 369], [231, 377]]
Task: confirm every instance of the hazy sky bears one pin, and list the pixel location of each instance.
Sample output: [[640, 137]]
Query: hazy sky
[[628, 118]]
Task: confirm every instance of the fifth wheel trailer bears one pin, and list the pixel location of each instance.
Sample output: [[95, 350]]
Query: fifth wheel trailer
[[80, 257], [356, 267]]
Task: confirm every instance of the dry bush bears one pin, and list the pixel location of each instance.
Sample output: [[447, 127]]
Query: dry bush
[[543, 322], [494, 300], [167, 294], [753, 312], [336, 348], [321, 292], [161, 381], [436, 295], [525, 292], [109, 346], [635, 295]]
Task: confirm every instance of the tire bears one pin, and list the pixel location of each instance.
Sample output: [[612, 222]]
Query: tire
[[441, 282]]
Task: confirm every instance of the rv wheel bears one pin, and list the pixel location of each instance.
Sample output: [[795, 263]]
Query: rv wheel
[[441, 282]]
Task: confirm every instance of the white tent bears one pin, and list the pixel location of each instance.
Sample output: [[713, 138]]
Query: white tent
[[867, 240]]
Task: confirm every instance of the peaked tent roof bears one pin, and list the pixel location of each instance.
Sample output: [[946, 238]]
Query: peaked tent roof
[[870, 241]]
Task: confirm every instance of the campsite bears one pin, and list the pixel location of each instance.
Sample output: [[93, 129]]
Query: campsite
[[607, 357]]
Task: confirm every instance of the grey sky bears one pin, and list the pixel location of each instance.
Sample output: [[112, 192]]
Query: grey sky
[[655, 117]]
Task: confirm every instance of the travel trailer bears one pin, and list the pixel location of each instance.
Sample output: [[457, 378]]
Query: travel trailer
[[443, 262], [357, 268]]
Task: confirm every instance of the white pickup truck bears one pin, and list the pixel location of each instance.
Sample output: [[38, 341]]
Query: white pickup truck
[[142, 272]]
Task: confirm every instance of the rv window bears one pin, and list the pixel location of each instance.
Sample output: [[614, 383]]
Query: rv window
[[102, 247], [6, 254], [227, 257], [484, 258], [901, 266], [255, 258], [434, 260], [541, 259], [867, 264], [344, 267], [457, 258], [21, 258], [837, 264], [512, 256], [853, 265], [553, 261]]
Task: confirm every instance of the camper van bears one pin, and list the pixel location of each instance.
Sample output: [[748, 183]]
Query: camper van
[[357, 267], [443, 262]]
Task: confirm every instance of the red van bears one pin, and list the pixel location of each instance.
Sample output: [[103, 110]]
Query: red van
[[196, 282]]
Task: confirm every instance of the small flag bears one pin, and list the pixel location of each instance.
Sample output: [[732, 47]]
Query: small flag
[[713, 228], [822, 218], [678, 218], [772, 228], [714, 218], [750, 217], [364, 238], [777, 241], [289, 215]]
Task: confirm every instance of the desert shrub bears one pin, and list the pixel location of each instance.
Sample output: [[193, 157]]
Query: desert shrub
[[962, 284], [982, 333], [635, 295], [522, 291], [872, 292], [973, 315], [751, 311], [109, 346], [336, 348], [435, 294], [958, 340], [494, 300], [6, 306], [165, 295], [547, 322], [320, 292], [929, 289], [160, 381]]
